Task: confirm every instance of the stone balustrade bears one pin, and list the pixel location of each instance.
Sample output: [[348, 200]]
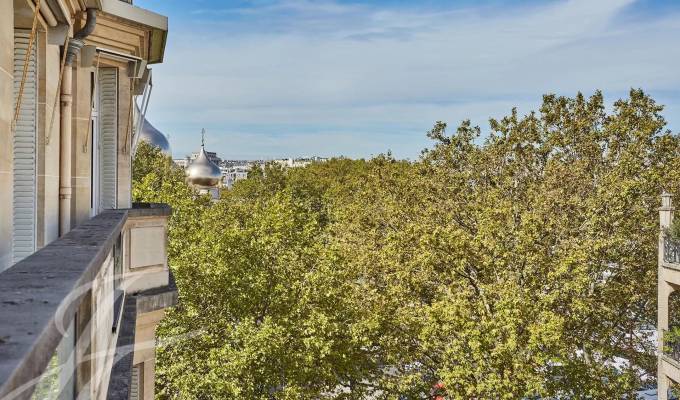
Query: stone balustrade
[[72, 315]]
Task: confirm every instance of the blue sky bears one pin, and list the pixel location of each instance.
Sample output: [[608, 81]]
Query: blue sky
[[287, 78]]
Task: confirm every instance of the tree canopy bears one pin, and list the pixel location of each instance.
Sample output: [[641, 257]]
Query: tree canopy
[[515, 265]]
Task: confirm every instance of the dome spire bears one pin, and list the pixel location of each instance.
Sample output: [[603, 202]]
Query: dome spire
[[203, 137]]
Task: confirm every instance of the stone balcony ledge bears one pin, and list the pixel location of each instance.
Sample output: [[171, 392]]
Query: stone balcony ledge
[[149, 210], [142, 302], [41, 294], [157, 298]]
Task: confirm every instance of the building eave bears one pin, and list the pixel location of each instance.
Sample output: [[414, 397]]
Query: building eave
[[157, 23]]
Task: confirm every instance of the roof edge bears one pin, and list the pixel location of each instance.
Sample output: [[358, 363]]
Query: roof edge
[[157, 22]]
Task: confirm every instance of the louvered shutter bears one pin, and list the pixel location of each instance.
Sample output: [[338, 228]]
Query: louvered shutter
[[24, 150], [108, 137], [136, 382]]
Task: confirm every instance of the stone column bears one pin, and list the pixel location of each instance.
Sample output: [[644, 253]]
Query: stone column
[[66, 148], [666, 210], [663, 385], [50, 140], [81, 146]]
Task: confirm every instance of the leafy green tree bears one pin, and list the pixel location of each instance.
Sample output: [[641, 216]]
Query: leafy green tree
[[539, 245], [514, 266], [156, 179]]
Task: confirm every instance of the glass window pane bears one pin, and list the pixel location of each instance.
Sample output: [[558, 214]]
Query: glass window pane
[[57, 382]]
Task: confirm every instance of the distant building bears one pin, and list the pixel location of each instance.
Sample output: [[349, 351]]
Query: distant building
[[233, 171], [298, 162], [242, 163], [668, 351], [182, 162], [212, 156], [231, 175]]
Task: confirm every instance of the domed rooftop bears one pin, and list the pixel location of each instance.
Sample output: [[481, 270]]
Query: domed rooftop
[[203, 172], [155, 138]]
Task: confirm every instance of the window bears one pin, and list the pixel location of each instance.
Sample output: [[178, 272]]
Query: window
[[58, 380], [118, 293]]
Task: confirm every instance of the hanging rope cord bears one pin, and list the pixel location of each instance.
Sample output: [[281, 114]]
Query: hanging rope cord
[[57, 94], [128, 127], [62, 68], [94, 98], [125, 148], [27, 59]]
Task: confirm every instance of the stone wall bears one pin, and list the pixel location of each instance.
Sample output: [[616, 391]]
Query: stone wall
[[48, 142], [81, 145], [124, 140], [30, 324], [6, 98], [145, 356]]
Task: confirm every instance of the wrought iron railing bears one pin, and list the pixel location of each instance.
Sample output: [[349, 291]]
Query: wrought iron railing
[[671, 344], [671, 250]]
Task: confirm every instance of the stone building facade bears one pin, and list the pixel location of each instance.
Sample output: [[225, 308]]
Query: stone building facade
[[668, 363], [84, 277]]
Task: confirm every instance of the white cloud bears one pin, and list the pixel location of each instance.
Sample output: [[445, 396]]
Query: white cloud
[[340, 73]]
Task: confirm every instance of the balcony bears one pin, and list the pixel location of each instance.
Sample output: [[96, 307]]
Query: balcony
[[671, 346], [69, 313], [671, 251]]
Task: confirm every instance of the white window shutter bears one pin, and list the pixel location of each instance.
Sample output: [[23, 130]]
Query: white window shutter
[[24, 150], [136, 382], [108, 137]]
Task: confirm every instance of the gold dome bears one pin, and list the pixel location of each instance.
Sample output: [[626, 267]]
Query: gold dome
[[202, 172], [154, 137]]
